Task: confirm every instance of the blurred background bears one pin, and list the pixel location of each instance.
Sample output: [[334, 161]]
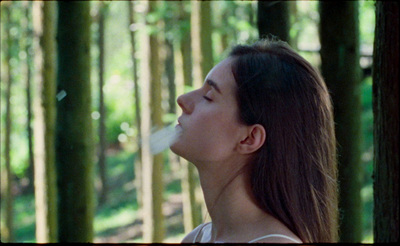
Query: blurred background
[[137, 57]]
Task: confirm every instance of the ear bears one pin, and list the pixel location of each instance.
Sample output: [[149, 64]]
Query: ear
[[254, 139]]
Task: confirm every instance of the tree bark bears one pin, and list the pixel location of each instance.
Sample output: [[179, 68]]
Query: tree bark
[[273, 18], [195, 43], [102, 109], [170, 69], [386, 122], [191, 215], [200, 42], [339, 36], [28, 47], [206, 28], [145, 126], [156, 119], [294, 18], [74, 136], [153, 221], [45, 117], [138, 159]]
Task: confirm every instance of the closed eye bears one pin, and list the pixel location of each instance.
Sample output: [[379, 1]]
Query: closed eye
[[207, 98]]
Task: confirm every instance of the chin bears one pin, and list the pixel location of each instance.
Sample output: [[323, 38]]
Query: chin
[[175, 149], [179, 151]]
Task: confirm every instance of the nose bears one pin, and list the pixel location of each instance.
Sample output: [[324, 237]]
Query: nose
[[184, 101]]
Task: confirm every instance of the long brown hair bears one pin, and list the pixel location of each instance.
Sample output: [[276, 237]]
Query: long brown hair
[[294, 174]]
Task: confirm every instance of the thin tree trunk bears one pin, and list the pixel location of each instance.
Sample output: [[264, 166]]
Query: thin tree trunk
[[191, 215], [28, 47], [273, 18], [170, 72], [200, 40], [145, 126], [102, 110], [339, 35], [195, 43], [386, 122], [74, 136], [169, 64], [206, 28], [138, 159], [156, 119], [152, 171], [45, 116], [294, 18]]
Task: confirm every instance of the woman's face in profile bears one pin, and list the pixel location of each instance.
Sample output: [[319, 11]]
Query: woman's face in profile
[[210, 118]]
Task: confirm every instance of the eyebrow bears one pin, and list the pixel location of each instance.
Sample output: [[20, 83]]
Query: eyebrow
[[214, 85]]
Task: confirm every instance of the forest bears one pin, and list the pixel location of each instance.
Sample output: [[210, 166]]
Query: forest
[[85, 83]]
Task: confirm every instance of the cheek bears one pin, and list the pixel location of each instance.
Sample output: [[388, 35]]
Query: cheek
[[209, 137]]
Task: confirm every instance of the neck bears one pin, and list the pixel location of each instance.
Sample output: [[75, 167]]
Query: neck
[[229, 201]]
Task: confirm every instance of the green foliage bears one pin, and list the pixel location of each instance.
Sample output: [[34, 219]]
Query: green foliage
[[25, 218], [19, 145], [119, 108], [367, 16], [367, 158]]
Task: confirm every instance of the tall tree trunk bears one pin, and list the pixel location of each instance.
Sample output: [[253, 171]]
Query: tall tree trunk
[[74, 136], [169, 66], [273, 18], [195, 43], [170, 72], [152, 172], [201, 30], [28, 47], [339, 35], [207, 60], [102, 110], [386, 122], [294, 18], [206, 50], [138, 159], [7, 232], [145, 126], [191, 215], [45, 116], [156, 119], [201, 41], [228, 33]]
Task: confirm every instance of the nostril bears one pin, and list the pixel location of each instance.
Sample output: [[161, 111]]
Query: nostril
[[179, 100], [185, 103]]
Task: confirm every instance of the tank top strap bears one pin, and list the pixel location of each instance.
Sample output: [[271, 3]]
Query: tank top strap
[[275, 235], [201, 227]]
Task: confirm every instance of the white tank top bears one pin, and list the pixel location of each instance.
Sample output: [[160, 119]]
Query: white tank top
[[206, 235]]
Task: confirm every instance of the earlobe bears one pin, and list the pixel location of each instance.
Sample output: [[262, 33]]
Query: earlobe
[[254, 140]]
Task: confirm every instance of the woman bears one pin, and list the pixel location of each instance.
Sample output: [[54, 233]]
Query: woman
[[261, 134]]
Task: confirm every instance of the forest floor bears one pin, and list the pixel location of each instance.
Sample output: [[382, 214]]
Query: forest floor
[[118, 219], [132, 232]]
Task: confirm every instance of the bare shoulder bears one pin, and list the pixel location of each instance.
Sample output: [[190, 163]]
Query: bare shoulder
[[191, 236]]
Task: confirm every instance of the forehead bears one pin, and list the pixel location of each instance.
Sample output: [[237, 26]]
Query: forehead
[[222, 75]]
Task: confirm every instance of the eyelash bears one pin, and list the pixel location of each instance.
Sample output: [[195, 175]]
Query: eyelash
[[207, 98]]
